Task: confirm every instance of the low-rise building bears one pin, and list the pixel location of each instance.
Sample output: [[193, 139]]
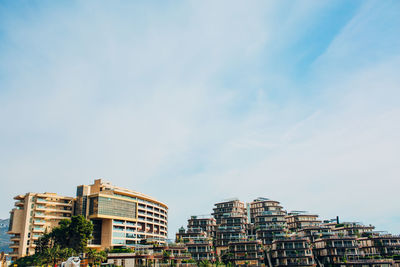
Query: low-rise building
[[315, 232], [247, 253], [337, 250], [352, 229], [380, 245], [292, 252], [199, 244], [297, 220], [207, 224], [152, 255]]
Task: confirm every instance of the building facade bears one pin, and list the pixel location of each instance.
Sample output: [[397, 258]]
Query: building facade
[[121, 217], [269, 219], [33, 215], [231, 218], [292, 252], [297, 220], [199, 238], [247, 253]]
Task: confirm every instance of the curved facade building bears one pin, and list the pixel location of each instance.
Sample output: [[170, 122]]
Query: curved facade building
[[121, 217]]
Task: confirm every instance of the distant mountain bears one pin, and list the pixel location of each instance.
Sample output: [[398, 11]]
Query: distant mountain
[[4, 237]]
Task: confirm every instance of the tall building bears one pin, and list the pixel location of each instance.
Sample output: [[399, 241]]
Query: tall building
[[121, 217], [232, 221], [269, 220], [33, 215], [262, 205]]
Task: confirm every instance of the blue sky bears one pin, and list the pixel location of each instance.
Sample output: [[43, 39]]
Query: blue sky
[[194, 102]]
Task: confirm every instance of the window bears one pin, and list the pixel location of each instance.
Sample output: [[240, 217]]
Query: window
[[118, 241], [112, 207], [118, 234]]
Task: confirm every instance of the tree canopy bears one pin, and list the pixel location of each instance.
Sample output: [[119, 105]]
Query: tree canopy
[[69, 238], [74, 233]]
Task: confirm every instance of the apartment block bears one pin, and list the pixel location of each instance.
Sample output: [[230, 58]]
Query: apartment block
[[198, 243], [231, 218], [315, 232], [207, 224], [380, 245], [336, 249], [121, 217], [33, 215], [199, 237], [262, 205], [247, 253], [292, 252], [297, 220], [297, 238], [352, 229], [268, 218]]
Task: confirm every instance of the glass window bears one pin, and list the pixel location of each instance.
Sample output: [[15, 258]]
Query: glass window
[[112, 207], [118, 241]]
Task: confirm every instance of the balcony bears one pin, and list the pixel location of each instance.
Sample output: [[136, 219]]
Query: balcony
[[341, 246], [60, 203], [39, 215], [15, 239], [39, 222], [58, 217], [13, 253], [58, 210], [19, 203], [38, 230], [41, 200], [14, 245]]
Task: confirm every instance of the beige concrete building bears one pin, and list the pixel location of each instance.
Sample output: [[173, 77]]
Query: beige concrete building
[[231, 218], [269, 219], [294, 251], [33, 215], [121, 217], [297, 220]]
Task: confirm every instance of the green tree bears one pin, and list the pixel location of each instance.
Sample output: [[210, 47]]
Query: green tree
[[65, 253], [80, 233], [51, 255], [204, 263], [96, 257], [33, 260], [67, 239], [227, 258], [43, 243], [74, 233], [166, 256]]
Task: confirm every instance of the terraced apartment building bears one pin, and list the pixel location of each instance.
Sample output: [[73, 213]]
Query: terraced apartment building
[[33, 215], [269, 219], [262, 233], [231, 218]]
